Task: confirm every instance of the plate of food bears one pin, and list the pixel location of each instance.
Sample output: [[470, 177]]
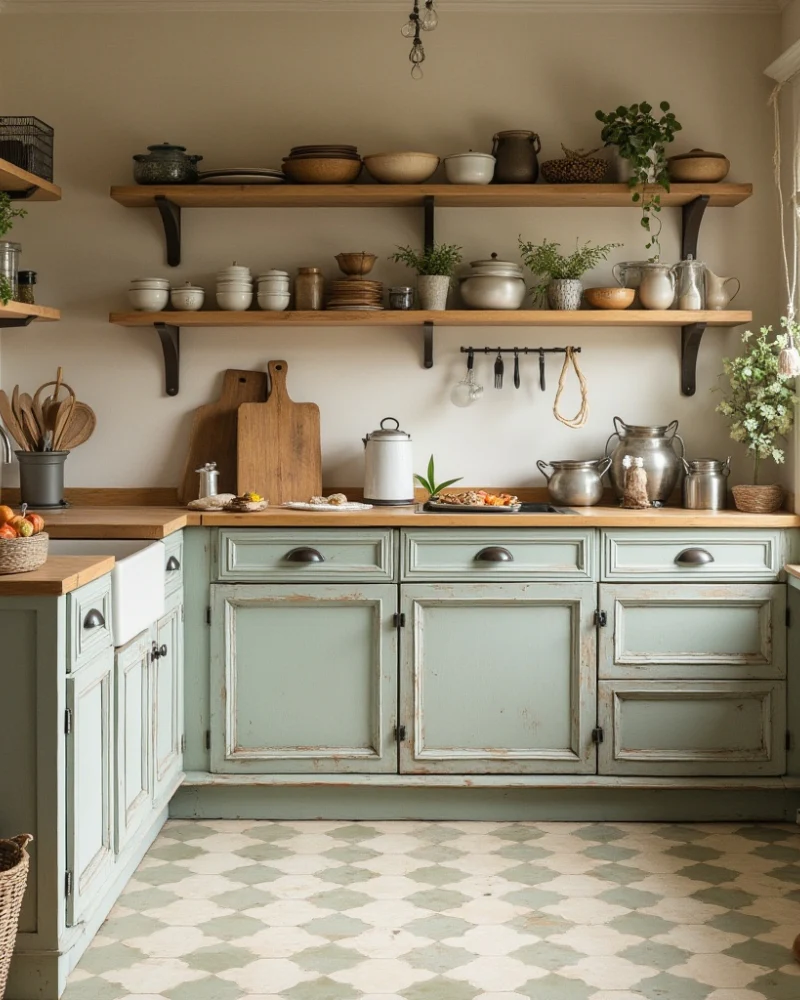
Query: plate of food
[[475, 502]]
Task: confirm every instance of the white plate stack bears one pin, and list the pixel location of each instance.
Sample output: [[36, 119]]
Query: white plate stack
[[273, 290], [234, 288]]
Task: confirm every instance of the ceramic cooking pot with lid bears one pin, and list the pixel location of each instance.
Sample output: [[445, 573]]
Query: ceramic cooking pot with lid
[[388, 466], [165, 164], [493, 284]]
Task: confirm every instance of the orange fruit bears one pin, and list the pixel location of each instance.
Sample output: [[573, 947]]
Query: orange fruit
[[6, 513]]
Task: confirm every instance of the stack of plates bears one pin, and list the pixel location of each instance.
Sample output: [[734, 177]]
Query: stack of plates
[[356, 294], [324, 152], [242, 175]]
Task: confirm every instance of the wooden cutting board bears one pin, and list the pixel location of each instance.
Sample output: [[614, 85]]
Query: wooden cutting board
[[213, 436], [279, 444]]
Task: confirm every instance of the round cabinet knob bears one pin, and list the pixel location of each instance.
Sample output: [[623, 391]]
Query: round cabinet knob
[[173, 564], [304, 555], [694, 557], [494, 553], [94, 619], [156, 651]]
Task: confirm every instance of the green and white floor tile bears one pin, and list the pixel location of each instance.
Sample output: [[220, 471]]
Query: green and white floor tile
[[453, 911]]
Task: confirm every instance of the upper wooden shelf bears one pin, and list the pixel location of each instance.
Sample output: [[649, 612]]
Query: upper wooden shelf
[[17, 181], [24, 311], [411, 195]]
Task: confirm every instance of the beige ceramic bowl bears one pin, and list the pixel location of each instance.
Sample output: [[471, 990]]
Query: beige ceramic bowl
[[322, 171], [401, 168], [609, 298], [695, 168]]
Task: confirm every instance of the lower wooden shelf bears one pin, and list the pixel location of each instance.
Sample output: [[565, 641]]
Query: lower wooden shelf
[[21, 313]]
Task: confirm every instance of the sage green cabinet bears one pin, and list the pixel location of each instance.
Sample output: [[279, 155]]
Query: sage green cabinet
[[132, 717], [498, 678], [166, 672], [304, 678]]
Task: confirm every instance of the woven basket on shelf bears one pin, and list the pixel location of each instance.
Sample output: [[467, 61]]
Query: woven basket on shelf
[[758, 499], [13, 878], [21, 555]]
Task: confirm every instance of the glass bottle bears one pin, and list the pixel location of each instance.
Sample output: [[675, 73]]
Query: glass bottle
[[690, 284]]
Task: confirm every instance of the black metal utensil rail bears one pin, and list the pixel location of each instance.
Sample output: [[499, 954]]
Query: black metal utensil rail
[[518, 350]]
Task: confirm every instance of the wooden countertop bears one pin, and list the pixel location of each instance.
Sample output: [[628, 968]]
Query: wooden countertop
[[59, 575], [118, 522]]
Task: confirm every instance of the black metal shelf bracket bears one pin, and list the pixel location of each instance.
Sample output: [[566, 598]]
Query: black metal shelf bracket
[[171, 218], [427, 345], [170, 337], [691, 216], [428, 205], [691, 336], [24, 194], [6, 321]]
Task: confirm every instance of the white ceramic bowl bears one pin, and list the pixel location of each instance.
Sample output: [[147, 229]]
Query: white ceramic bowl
[[273, 274], [401, 168], [150, 283], [469, 168], [234, 301], [234, 276], [273, 301], [234, 286], [148, 299], [274, 285], [189, 297]]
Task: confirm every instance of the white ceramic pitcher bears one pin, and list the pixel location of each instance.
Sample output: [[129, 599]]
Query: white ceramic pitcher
[[717, 296]]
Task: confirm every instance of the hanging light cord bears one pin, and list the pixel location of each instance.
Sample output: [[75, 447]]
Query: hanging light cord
[[582, 415]]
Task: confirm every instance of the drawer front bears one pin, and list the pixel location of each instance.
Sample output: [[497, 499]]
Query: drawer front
[[173, 562], [693, 631], [693, 728], [324, 555], [676, 554], [89, 617], [478, 554]]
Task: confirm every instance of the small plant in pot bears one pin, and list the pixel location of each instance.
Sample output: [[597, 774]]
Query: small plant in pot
[[435, 266], [562, 287], [640, 140], [759, 403], [428, 481]]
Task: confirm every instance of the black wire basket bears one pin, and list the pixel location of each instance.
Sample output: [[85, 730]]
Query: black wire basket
[[27, 143]]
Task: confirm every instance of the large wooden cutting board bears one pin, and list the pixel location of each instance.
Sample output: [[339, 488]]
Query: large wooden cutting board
[[213, 436], [279, 444]]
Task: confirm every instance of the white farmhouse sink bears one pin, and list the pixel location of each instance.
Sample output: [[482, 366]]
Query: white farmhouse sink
[[137, 580]]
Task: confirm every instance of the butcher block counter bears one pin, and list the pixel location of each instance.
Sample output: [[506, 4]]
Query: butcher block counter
[[59, 575]]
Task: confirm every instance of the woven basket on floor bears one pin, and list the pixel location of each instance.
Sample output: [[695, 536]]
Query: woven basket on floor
[[21, 555], [758, 499], [13, 877]]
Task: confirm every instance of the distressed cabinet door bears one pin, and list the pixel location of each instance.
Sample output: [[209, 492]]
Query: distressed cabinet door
[[133, 737], [90, 800], [304, 678], [498, 678], [166, 673]]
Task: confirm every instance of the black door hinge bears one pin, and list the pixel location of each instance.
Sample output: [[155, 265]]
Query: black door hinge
[[208, 616], [67, 721], [399, 621], [68, 882], [788, 618], [400, 733], [600, 619], [788, 740], [183, 743], [208, 739], [598, 735]]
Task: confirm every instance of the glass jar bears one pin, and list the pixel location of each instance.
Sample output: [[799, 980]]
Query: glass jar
[[690, 284], [401, 297], [25, 290], [309, 286], [9, 264]]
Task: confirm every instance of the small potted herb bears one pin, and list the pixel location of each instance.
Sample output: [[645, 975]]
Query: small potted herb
[[640, 140], [759, 404], [428, 481], [8, 251], [435, 266], [562, 288]]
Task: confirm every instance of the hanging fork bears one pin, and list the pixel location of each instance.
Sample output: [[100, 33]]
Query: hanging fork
[[499, 368]]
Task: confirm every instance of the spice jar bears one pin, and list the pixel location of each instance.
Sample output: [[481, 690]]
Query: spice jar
[[401, 297], [25, 281], [309, 286], [9, 264]]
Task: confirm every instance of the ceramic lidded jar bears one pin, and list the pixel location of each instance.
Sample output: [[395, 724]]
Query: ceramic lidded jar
[[493, 284], [165, 164], [516, 154]]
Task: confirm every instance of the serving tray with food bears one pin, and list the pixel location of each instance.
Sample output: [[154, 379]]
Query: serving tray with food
[[475, 502]]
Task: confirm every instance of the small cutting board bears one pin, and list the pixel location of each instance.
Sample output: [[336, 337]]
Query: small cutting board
[[280, 455], [213, 436]]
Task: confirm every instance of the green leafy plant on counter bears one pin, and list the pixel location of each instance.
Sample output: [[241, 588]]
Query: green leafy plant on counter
[[441, 259], [546, 260], [640, 139], [759, 402], [6, 291], [429, 482], [8, 214]]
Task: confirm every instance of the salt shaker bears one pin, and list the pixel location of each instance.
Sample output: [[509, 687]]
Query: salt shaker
[[209, 480]]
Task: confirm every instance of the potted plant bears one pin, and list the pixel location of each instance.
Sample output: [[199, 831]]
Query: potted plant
[[640, 140], [7, 216], [759, 404], [563, 287], [435, 266], [428, 481]]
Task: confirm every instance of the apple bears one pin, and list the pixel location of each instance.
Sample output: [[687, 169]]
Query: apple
[[6, 531], [37, 521], [24, 528], [6, 513]]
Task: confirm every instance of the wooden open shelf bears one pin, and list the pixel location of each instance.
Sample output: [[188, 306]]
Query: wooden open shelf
[[22, 184], [413, 195], [21, 311]]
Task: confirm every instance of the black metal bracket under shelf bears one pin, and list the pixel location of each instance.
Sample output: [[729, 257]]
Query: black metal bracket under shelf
[[171, 219], [691, 217], [24, 194], [170, 337], [12, 321]]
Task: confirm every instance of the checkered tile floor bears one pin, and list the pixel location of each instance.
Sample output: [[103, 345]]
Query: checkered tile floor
[[454, 911]]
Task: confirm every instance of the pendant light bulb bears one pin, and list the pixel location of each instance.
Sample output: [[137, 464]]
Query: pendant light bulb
[[408, 30], [429, 18], [416, 72], [417, 54]]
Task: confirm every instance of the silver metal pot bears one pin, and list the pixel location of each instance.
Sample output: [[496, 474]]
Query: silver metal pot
[[575, 483], [706, 483], [654, 445], [493, 284]]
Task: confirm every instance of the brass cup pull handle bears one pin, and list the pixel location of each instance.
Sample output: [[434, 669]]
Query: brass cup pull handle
[[304, 554], [494, 553], [173, 564], [94, 619], [694, 557]]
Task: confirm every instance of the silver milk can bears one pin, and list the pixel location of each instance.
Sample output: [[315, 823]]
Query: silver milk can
[[706, 483], [654, 445], [575, 483]]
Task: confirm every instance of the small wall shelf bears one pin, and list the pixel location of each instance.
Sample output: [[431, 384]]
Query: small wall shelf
[[22, 185], [22, 313]]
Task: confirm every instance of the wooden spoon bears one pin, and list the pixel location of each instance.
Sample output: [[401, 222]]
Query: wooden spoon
[[7, 413], [49, 405], [60, 421], [79, 427], [29, 421]]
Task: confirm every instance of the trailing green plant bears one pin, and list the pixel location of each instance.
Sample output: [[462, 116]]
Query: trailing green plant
[[6, 291], [759, 401], [441, 259], [429, 482], [546, 260], [640, 139], [8, 214]]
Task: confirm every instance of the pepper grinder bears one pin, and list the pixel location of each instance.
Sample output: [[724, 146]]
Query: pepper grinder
[[209, 480]]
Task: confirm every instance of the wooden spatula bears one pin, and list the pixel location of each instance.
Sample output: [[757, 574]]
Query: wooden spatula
[[60, 421], [79, 428], [7, 413]]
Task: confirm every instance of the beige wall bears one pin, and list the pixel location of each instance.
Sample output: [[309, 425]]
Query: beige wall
[[243, 88]]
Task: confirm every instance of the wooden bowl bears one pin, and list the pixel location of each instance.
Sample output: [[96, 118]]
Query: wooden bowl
[[401, 168], [356, 263], [324, 170], [609, 298], [695, 168]]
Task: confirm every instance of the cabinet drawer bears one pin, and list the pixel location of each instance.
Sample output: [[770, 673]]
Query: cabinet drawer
[[326, 555], [676, 554], [693, 631], [693, 728], [173, 562], [89, 621], [520, 555]]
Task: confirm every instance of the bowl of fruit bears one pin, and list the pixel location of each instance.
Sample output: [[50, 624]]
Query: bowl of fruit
[[23, 541]]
